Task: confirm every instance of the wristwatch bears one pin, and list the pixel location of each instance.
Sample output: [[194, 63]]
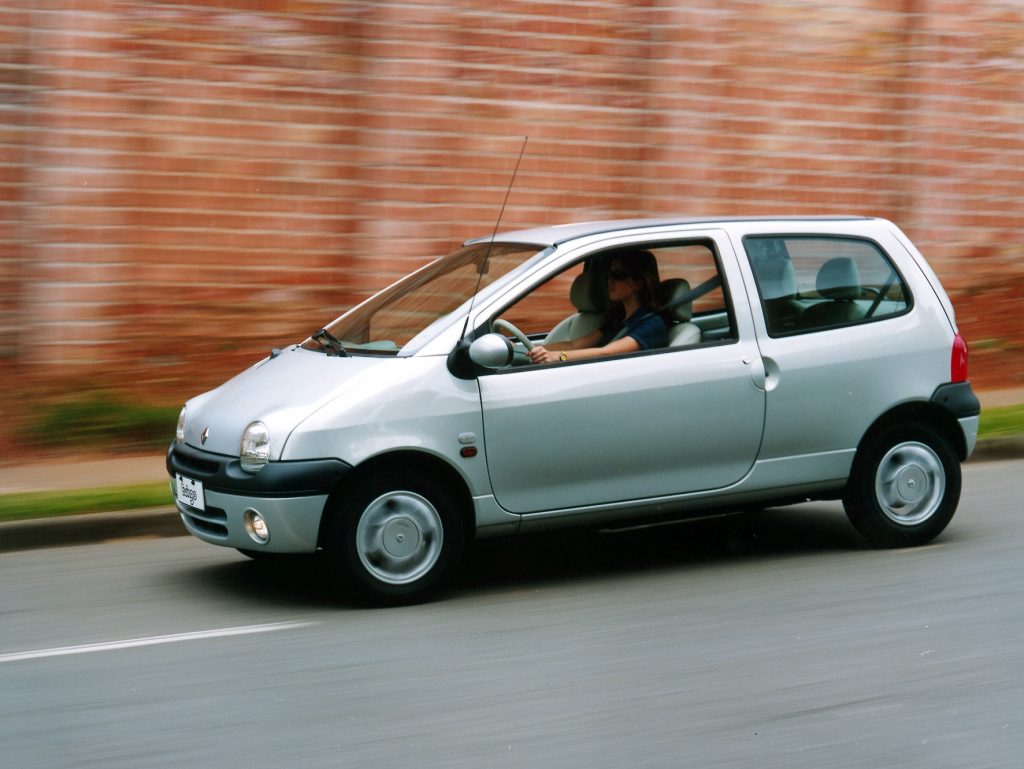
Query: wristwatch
[[563, 356]]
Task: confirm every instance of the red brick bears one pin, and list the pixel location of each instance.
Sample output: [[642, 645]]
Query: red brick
[[301, 151]]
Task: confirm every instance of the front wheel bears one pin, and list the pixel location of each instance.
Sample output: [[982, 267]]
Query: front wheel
[[904, 488], [394, 539]]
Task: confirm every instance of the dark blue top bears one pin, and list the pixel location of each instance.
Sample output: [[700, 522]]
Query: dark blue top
[[647, 329]]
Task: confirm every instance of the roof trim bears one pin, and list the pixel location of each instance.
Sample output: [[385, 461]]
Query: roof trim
[[556, 234]]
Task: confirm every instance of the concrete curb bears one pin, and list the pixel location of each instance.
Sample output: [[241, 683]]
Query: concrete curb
[[165, 522], [90, 528], [994, 449]]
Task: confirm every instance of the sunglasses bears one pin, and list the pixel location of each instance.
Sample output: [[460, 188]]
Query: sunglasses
[[619, 275]]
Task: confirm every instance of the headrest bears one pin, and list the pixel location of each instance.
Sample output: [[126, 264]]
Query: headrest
[[839, 279], [777, 278], [584, 293], [673, 289]]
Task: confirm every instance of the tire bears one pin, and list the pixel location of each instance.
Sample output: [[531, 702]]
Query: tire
[[394, 539], [905, 486]]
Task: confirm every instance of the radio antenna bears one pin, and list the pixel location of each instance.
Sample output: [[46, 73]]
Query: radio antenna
[[494, 234]]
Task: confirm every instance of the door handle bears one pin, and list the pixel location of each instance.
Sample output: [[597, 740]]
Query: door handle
[[757, 371]]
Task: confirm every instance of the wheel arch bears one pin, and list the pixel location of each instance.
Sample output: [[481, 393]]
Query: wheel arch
[[406, 461], [921, 412]]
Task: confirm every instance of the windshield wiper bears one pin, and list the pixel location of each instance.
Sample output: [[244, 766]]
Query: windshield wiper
[[331, 345]]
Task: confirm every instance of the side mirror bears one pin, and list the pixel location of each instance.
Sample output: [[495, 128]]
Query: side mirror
[[491, 351]]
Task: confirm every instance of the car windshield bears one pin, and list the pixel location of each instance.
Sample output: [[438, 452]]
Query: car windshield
[[390, 319]]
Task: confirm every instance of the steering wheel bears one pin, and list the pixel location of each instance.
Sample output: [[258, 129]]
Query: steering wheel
[[501, 323]]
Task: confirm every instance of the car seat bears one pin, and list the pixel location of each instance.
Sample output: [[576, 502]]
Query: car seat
[[587, 295], [678, 313], [838, 281], [777, 281]]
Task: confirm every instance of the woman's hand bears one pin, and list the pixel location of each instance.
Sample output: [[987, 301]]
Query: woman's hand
[[540, 354]]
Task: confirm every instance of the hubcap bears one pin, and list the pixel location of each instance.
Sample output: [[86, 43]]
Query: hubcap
[[399, 537], [910, 483]]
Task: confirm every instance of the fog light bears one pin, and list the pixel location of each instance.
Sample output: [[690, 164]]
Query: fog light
[[256, 527]]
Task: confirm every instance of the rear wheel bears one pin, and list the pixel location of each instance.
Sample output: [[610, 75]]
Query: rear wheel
[[394, 539], [905, 486]]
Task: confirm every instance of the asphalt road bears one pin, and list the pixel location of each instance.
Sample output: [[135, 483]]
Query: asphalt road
[[775, 642]]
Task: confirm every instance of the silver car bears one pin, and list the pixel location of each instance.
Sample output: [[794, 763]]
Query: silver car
[[794, 359]]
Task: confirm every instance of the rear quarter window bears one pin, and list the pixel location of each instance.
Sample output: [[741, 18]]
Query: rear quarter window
[[810, 284]]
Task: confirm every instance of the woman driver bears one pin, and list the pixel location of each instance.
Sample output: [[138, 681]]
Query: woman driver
[[633, 286]]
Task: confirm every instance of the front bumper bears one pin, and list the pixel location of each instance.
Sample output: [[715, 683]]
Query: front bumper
[[290, 496]]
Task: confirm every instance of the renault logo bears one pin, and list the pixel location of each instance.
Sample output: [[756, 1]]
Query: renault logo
[[204, 435]]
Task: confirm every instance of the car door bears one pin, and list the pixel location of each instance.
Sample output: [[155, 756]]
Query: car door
[[637, 427]]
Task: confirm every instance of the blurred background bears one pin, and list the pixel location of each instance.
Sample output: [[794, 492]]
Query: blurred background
[[184, 185]]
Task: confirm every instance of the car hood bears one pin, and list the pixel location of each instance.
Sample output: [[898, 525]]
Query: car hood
[[280, 391]]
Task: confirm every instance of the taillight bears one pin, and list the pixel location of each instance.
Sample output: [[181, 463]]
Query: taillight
[[958, 360]]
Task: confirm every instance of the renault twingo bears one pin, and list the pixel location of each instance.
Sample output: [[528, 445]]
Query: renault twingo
[[806, 358]]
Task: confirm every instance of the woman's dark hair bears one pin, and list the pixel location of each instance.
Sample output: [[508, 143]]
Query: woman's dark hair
[[641, 265]]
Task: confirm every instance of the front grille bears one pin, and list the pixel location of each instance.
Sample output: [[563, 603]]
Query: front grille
[[212, 521], [196, 465]]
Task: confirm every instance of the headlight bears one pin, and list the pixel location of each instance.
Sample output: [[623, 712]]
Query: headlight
[[179, 435], [255, 449]]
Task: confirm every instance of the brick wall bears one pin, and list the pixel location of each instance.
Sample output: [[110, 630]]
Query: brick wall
[[185, 184]]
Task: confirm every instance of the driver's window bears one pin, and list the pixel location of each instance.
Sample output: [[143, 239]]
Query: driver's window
[[686, 269]]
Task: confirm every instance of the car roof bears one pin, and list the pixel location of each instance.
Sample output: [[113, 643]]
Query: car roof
[[561, 233]]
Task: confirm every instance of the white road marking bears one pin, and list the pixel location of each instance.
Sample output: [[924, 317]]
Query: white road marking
[[132, 643]]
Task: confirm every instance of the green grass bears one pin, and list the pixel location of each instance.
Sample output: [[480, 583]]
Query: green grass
[[44, 504], [99, 419], [1001, 422]]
